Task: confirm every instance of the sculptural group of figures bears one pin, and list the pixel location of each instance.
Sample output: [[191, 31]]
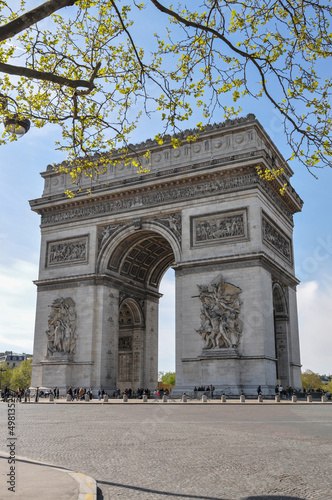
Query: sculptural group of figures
[[223, 228], [220, 325], [62, 326]]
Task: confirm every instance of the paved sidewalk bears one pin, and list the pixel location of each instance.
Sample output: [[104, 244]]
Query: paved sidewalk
[[32, 480]]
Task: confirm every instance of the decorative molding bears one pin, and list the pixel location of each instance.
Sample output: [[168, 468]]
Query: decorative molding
[[68, 251], [220, 326], [275, 238], [219, 227]]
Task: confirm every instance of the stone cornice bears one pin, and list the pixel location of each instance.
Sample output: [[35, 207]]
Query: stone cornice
[[237, 261], [193, 184]]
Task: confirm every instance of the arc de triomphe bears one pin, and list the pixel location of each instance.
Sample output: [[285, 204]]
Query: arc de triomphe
[[203, 210]]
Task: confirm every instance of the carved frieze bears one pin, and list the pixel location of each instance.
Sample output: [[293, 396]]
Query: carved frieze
[[61, 338], [211, 187], [219, 227], [69, 251], [220, 323], [275, 238]]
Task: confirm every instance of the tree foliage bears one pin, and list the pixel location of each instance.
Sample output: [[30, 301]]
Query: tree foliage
[[5, 375], [311, 381], [95, 67], [21, 375], [168, 378]]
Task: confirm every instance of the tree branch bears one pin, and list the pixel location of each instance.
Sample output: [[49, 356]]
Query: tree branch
[[27, 19], [50, 77]]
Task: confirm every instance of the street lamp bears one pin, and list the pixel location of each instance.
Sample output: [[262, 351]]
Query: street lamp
[[14, 124]]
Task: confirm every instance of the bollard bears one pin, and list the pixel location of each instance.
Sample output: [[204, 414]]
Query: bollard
[[69, 398], [277, 398], [51, 397], [260, 398], [125, 398], [87, 397], [204, 398], [242, 398], [324, 398], [294, 399], [145, 398], [105, 398], [309, 399], [184, 398], [223, 398], [164, 399]]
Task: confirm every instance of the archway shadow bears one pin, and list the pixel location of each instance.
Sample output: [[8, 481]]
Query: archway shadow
[[185, 496]]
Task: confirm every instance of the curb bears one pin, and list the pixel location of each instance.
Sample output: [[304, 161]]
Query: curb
[[87, 486]]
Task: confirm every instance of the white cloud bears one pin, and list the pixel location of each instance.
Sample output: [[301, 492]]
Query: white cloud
[[315, 325], [18, 303]]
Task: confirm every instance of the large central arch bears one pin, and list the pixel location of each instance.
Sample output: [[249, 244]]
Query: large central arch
[[137, 257], [204, 211]]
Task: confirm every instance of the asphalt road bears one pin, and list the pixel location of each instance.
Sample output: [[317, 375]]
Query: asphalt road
[[172, 452]]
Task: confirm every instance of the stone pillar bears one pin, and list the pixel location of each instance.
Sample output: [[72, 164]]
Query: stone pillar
[[184, 398], [164, 399], [294, 399], [260, 398], [51, 397], [68, 398], [87, 398], [309, 398], [145, 398], [242, 398], [105, 398], [151, 345], [223, 398], [204, 398], [277, 398], [125, 398]]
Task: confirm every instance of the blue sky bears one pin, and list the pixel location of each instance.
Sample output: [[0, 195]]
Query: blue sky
[[22, 161]]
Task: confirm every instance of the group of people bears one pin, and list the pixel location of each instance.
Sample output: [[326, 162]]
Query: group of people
[[204, 388], [79, 393], [280, 391], [18, 395]]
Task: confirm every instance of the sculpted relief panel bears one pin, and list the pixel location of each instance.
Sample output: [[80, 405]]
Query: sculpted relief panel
[[274, 237], [70, 251], [215, 228], [220, 323], [61, 339]]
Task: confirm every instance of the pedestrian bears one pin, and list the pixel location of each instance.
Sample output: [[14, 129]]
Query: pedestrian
[[37, 395], [259, 390]]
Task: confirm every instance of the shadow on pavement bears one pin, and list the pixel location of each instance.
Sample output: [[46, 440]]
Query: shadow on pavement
[[184, 495]]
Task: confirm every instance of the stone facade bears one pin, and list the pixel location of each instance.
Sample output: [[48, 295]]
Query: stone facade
[[201, 209]]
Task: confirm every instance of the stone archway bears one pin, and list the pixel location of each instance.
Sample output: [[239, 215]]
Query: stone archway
[[135, 259], [203, 210]]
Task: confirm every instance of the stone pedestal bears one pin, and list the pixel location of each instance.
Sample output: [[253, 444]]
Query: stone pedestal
[[164, 399], [277, 399], [87, 398], [294, 399], [324, 398], [260, 398], [125, 398], [145, 398], [184, 398], [309, 399], [105, 398], [242, 399], [223, 398], [68, 397], [51, 397], [204, 398]]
